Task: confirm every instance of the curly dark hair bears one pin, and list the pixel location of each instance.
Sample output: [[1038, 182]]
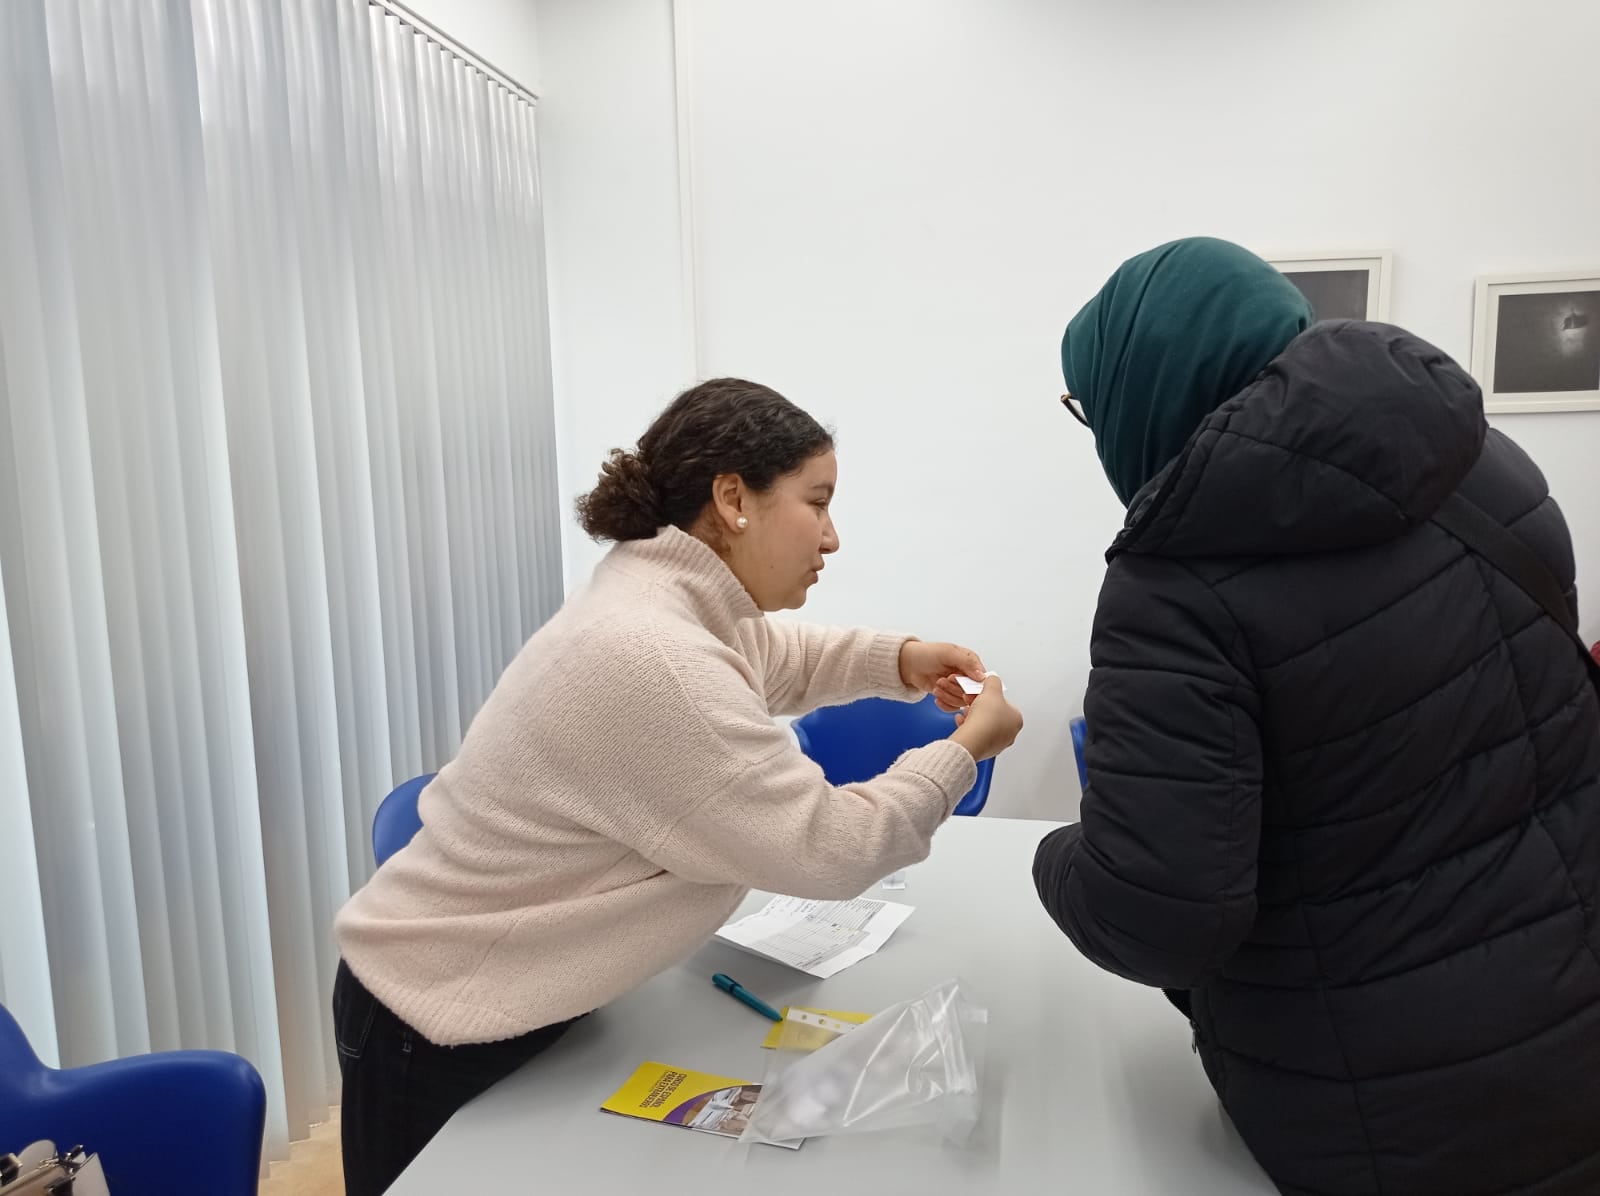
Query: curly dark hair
[[724, 426]]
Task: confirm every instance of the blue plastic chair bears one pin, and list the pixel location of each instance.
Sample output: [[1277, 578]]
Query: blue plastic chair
[[861, 740], [160, 1123], [1080, 732], [397, 819]]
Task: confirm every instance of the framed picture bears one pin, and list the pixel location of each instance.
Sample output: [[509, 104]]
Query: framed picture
[[1536, 341], [1340, 286]]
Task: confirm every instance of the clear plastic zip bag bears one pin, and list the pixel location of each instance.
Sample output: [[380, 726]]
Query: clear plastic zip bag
[[915, 1064]]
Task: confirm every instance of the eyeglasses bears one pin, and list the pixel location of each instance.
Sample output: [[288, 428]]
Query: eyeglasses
[[1072, 405]]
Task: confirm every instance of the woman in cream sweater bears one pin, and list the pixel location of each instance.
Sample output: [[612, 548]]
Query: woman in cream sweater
[[626, 784]]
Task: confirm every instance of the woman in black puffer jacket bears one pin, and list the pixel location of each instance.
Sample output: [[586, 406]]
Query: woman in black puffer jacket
[[1344, 773]]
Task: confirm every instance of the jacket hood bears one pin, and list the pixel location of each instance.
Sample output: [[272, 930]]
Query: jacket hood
[[1351, 436]]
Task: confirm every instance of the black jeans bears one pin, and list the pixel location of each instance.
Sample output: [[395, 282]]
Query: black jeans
[[400, 1089]]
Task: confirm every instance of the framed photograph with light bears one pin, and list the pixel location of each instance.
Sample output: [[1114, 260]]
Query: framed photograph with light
[[1340, 286], [1536, 341]]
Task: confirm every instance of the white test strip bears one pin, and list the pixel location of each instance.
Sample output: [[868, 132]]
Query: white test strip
[[969, 686], [808, 1017]]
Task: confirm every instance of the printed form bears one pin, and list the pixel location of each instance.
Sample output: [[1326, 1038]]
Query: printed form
[[820, 938]]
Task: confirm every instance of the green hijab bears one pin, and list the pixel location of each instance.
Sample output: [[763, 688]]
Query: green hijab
[[1174, 334]]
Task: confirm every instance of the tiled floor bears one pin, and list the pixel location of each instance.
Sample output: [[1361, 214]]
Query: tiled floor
[[313, 1168]]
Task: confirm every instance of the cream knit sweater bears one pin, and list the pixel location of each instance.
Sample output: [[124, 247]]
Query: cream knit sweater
[[620, 792]]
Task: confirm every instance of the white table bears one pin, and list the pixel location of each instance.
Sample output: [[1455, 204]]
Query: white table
[[1091, 1085]]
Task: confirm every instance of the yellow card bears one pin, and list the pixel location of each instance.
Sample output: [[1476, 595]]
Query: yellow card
[[810, 1037]]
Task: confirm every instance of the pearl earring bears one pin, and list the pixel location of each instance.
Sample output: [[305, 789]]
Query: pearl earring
[[742, 523]]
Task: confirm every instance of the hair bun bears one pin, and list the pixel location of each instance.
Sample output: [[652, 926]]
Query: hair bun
[[625, 504]]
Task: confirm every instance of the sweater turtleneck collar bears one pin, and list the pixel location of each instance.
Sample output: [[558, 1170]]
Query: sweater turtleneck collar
[[689, 566]]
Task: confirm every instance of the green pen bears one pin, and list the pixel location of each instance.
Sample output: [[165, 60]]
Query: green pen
[[738, 992]]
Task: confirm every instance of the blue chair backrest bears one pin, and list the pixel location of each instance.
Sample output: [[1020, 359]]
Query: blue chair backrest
[[159, 1123], [861, 740], [397, 819], [1080, 732]]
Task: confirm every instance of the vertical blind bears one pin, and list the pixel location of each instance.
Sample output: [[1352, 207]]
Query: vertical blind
[[277, 496]]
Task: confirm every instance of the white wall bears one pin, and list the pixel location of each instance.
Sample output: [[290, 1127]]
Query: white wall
[[900, 203], [619, 324]]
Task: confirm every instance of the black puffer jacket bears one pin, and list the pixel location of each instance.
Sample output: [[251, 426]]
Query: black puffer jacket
[[1344, 786]]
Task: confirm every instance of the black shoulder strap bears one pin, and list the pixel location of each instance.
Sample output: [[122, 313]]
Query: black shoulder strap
[[1483, 534]]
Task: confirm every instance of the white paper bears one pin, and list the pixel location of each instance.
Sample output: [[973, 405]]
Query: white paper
[[820, 938], [972, 688]]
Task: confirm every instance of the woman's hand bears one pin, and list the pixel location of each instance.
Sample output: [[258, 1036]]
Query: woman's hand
[[990, 725], [933, 669]]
